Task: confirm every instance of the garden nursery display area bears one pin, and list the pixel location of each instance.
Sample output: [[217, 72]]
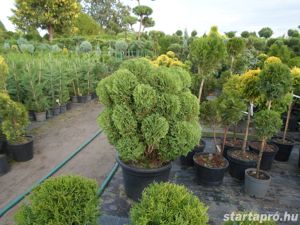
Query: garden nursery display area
[[100, 124]]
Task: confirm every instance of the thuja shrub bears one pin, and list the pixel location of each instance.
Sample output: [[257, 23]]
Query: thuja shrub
[[60, 201], [167, 203], [150, 114]]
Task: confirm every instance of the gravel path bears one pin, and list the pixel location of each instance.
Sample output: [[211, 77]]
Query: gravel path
[[54, 140]]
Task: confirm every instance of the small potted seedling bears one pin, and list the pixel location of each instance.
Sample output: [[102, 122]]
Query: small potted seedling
[[210, 166], [151, 117], [285, 144], [275, 83], [14, 122], [266, 124], [239, 161]]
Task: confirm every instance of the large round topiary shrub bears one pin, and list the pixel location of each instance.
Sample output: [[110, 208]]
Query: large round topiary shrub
[[167, 203], [60, 201], [150, 115]]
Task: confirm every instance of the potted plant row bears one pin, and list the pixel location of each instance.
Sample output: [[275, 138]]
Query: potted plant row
[[151, 118]]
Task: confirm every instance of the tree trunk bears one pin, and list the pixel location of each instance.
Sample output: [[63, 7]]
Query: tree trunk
[[260, 157], [50, 32], [247, 130], [224, 138], [231, 65], [214, 133], [201, 89], [287, 121]]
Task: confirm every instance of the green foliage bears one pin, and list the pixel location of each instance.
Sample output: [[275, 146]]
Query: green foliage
[[265, 32], [208, 52], [250, 85], [171, 204], [61, 200], [294, 62], [14, 119], [266, 123], [230, 34], [296, 79], [280, 50], [85, 46], [293, 33], [151, 114], [86, 25], [3, 73], [121, 46], [45, 14], [235, 46], [210, 113], [245, 34], [275, 80], [142, 10]]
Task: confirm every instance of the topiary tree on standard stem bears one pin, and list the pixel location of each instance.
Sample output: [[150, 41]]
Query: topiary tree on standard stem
[[266, 124], [150, 114], [207, 53]]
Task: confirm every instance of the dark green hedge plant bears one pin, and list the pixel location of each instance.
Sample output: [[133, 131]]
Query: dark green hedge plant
[[168, 203], [60, 201], [150, 114]]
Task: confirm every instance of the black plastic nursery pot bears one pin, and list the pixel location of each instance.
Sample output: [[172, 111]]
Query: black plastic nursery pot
[[50, 113], [4, 166], [267, 157], [63, 108], [94, 95], [188, 159], [40, 116], [82, 99], [229, 145], [56, 111], [74, 99], [136, 179], [284, 149], [256, 187], [21, 152], [69, 105], [89, 98], [207, 175], [31, 115], [238, 166], [3, 144]]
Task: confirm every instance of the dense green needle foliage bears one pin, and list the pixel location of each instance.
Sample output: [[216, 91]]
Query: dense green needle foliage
[[150, 115], [168, 204], [60, 201]]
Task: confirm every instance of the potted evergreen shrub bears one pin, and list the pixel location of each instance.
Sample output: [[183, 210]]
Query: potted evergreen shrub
[[14, 123], [285, 145], [210, 167], [275, 83], [151, 118], [167, 203], [232, 107], [239, 161], [266, 123], [61, 200]]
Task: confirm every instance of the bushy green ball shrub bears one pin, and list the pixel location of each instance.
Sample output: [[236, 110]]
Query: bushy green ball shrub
[[60, 201], [85, 46], [171, 204], [150, 114]]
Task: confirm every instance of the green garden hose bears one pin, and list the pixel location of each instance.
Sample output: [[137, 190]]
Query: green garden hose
[[15, 201]]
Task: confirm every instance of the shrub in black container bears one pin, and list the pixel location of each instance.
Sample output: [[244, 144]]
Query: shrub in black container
[[167, 203], [61, 200], [151, 118]]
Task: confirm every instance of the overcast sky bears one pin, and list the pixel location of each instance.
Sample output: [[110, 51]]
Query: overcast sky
[[228, 15]]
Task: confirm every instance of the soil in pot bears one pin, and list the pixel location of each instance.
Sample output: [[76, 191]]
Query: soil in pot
[[188, 159], [21, 152], [63, 108], [269, 153], [239, 162], [232, 144], [136, 179], [56, 111], [40, 116], [210, 168], [82, 99], [74, 99], [4, 166], [257, 187], [284, 148]]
